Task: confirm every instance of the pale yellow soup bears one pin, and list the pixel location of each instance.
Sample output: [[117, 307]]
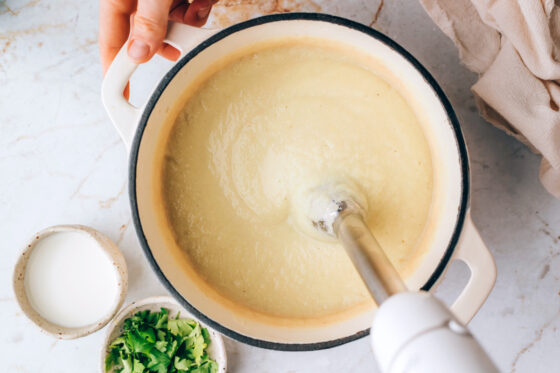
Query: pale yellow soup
[[256, 132]]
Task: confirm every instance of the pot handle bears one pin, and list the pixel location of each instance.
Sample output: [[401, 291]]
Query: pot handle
[[123, 114], [472, 250]]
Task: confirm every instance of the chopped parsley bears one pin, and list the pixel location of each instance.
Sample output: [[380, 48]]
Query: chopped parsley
[[150, 342]]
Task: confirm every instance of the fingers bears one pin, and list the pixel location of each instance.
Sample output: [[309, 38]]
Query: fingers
[[195, 14], [169, 52], [114, 26], [148, 29], [149, 25]]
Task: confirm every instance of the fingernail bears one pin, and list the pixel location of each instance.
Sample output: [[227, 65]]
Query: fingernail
[[204, 12], [138, 50]]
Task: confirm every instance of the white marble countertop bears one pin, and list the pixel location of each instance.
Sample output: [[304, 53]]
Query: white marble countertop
[[61, 161]]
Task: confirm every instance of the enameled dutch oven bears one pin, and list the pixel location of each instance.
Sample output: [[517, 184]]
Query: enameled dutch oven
[[450, 233]]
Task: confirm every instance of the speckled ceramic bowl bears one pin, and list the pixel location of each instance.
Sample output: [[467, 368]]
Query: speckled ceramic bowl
[[48, 327], [216, 349]]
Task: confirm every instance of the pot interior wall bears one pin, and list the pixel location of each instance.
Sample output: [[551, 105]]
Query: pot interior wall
[[172, 263]]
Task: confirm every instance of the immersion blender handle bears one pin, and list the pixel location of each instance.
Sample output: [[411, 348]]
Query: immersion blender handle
[[377, 272], [414, 332]]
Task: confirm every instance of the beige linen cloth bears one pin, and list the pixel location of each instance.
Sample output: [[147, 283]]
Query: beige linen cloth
[[514, 45]]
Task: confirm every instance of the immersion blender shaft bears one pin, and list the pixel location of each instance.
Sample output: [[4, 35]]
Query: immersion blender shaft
[[377, 272]]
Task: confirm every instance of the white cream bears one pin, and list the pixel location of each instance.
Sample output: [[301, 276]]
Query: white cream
[[70, 280]]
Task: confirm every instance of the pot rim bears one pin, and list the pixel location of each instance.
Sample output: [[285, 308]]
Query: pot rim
[[150, 105]]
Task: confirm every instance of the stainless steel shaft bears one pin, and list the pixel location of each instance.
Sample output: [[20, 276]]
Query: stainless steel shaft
[[377, 272]]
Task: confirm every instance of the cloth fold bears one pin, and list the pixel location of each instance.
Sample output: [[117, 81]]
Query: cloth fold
[[514, 45]]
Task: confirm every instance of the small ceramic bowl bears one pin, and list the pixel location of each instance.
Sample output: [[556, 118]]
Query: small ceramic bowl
[[216, 349], [48, 327]]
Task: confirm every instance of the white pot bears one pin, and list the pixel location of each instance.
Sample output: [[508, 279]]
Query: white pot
[[450, 233]]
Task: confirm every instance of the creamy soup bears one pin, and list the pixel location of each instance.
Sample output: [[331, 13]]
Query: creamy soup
[[265, 127]]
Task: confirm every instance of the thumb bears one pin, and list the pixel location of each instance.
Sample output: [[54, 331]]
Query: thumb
[[149, 26]]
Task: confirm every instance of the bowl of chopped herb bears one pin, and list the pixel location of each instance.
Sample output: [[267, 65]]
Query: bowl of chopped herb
[[156, 334]]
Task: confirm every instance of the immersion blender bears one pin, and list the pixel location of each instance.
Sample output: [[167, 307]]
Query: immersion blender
[[412, 332]]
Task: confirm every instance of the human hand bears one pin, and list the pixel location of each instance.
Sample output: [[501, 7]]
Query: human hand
[[146, 23]]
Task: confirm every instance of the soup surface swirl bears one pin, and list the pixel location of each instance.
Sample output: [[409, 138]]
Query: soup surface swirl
[[267, 127]]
